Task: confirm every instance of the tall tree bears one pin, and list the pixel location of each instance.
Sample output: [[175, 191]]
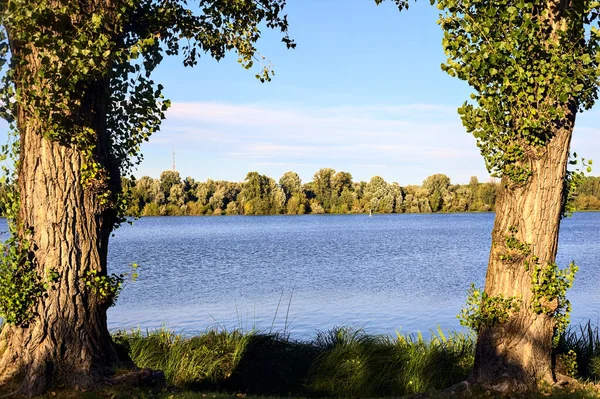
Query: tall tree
[[322, 187], [291, 184], [533, 65], [79, 93], [437, 185], [340, 181], [261, 195], [168, 179], [380, 196]]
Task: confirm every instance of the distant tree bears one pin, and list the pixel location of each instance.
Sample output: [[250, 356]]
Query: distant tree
[[380, 196], [473, 190], [487, 195], [346, 199], [315, 207], [168, 179], [398, 194], [590, 185], [322, 187], [232, 209], [205, 191], [189, 188], [436, 193], [341, 181], [177, 195], [261, 195], [143, 192], [291, 184], [437, 186], [151, 209]]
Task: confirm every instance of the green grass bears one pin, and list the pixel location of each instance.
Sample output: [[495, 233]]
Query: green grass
[[353, 364], [584, 340], [342, 362]]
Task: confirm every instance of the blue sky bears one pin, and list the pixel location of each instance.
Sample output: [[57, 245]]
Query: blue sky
[[363, 93]]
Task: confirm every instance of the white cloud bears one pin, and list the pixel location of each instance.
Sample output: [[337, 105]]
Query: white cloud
[[403, 143]]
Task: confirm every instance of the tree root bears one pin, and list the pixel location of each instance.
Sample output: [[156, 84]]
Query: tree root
[[504, 386], [140, 378]]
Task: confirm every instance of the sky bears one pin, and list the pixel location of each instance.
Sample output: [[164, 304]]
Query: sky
[[363, 92]]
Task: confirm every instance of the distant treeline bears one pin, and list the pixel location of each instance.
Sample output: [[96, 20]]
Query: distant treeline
[[329, 192]]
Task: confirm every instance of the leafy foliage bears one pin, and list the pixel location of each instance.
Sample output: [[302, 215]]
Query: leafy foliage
[[77, 49], [532, 67], [483, 310], [22, 286], [573, 180], [108, 288], [260, 194], [516, 250], [549, 285]]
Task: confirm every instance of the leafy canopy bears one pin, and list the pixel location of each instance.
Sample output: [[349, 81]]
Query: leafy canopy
[[533, 64], [71, 48]]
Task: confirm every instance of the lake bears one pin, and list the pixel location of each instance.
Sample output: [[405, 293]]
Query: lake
[[299, 274]]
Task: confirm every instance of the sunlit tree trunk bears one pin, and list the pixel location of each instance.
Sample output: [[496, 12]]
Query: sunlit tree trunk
[[517, 355], [67, 342]]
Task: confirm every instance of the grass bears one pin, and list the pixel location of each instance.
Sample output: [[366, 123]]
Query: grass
[[584, 340], [353, 364], [342, 362]]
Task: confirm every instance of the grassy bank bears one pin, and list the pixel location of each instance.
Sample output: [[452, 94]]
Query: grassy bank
[[339, 363]]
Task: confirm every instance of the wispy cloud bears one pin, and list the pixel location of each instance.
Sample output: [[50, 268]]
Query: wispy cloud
[[406, 142]]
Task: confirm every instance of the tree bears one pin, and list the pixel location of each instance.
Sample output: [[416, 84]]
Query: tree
[[398, 194], [205, 191], [291, 184], [341, 181], [532, 69], [437, 185], [168, 179], [533, 65], [341, 196], [177, 195], [322, 187], [380, 195], [143, 192], [79, 93], [261, 195], [487, 195], [346, 200]]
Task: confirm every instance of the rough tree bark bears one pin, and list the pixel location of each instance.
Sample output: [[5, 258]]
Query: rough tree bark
[[68, 341], [515, 356]]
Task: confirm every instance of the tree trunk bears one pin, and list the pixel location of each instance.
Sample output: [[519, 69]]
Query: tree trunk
[[516, 355], [67, 343]]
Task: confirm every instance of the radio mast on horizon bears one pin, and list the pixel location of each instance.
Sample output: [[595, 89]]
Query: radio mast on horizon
[[173, 159]]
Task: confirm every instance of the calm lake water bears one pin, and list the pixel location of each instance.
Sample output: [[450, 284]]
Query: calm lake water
[[314, 272]]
